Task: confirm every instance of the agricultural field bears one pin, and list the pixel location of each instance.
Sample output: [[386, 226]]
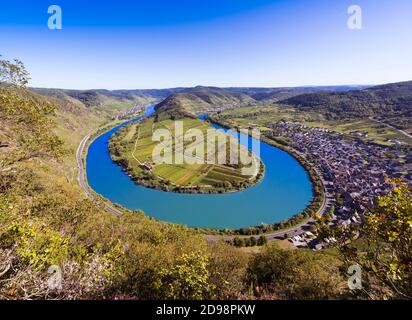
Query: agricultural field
[[372, 131], [262, 116], [132, 147]]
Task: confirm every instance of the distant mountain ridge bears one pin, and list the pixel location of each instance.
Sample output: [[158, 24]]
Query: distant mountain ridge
[[391, 101], [209, 95], [278, 94], [204, 99]]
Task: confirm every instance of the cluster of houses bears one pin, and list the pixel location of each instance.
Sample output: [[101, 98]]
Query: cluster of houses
[[222, 107], [304, 240], [146, 166], [125, 114], [354, 172]]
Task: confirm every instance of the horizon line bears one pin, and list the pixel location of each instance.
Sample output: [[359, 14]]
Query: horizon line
[[224, 87]]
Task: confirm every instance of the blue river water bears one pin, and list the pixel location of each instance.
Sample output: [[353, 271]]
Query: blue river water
[[284, 191]]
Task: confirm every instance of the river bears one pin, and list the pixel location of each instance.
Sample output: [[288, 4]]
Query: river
[[284, 191]]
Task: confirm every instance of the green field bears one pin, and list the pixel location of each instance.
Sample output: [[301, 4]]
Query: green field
[[132, 147], [263, 116], [376, 132]]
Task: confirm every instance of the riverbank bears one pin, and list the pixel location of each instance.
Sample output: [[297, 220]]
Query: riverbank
[[211, 234], [298, 222], [81, 156]]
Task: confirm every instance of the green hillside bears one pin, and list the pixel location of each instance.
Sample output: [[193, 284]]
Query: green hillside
[[272, 95], [102, 100], [202, 99], [391, 102], [46, 219]]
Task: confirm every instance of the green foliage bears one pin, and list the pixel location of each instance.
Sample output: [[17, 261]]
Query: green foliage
[[294, 274], [188, 279], [226, 267], [381, 246], [262, 241], [35, 245], [27, 126], [238, 242], [13, 72]]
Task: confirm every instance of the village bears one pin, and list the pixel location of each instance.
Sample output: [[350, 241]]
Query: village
[[221, 107], [354, 172], [130, 112]]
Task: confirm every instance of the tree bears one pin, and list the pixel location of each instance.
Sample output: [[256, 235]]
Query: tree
[[25, 118], [238, 242], [13, 73], [247, 242], [253, 241], [227, 267], [262, 241], [294, 274], [187, 279], [381, 245]]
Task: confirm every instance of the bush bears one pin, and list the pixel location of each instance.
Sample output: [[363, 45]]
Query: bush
[[253, 241], [294, 274], [262, 241], [238, 242]]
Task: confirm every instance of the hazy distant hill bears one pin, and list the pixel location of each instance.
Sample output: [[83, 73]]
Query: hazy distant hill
[[192, 99], [201, 99], [278, 94], [155, 93], [391, 101]]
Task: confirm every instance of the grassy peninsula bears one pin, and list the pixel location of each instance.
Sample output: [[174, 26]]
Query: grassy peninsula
[[132, 148]]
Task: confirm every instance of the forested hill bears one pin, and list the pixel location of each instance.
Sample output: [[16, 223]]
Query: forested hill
[[268, 95], [391, 101]]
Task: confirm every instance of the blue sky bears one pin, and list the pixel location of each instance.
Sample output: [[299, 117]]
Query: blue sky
[[169, 43]]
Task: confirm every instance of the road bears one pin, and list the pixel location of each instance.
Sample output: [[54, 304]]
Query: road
[[392, 127], [295, 230], [79, 159], [83, 181]]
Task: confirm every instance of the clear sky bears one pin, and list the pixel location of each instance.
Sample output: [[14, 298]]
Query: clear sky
[[170, 43]]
